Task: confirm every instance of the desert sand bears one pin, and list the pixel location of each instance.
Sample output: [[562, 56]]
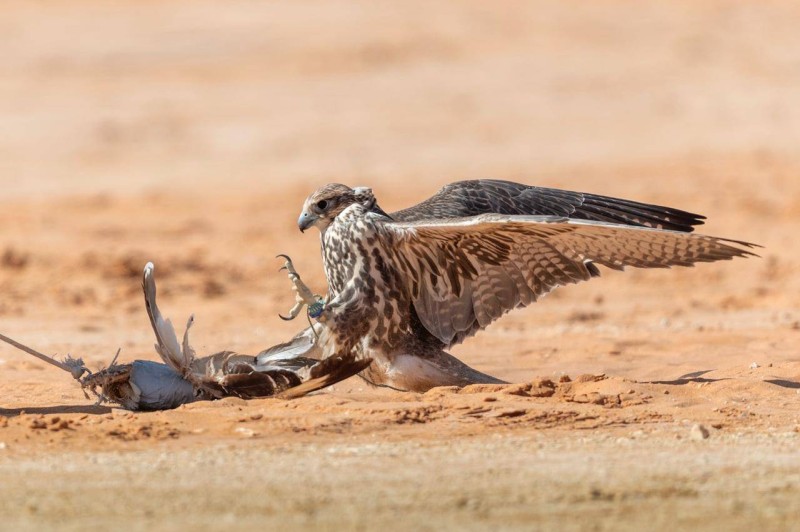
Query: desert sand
[[189, 133]]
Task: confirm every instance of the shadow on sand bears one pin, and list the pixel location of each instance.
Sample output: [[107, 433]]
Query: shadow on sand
[[696, 376], [784, 383], [61, 409]]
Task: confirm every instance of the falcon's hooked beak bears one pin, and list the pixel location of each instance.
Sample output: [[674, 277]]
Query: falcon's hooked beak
[[306, 220]]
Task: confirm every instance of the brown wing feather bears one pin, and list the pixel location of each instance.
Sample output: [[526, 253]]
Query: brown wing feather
[[463, 274], [244, 380], [326, 373]]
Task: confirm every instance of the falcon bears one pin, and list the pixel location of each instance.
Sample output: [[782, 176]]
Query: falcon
[[405, 286]]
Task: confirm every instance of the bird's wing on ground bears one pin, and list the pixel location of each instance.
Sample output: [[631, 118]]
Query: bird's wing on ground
[[275, 371]]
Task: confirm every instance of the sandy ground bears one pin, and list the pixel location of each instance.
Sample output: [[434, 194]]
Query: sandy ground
[[189, 133]]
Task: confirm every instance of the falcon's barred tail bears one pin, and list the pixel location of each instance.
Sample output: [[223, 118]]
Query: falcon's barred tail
[[326, 373], [242, 381]]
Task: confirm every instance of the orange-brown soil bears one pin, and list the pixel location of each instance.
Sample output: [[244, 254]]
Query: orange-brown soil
[[189, 134]]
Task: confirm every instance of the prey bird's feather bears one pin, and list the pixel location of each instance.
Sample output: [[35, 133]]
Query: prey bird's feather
[[167, 345], [274, 372]]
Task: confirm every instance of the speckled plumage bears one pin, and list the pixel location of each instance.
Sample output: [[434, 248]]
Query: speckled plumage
[[404, 287]]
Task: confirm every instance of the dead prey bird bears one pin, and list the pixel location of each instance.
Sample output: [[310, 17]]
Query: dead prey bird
[[281, 371], [404, 287]]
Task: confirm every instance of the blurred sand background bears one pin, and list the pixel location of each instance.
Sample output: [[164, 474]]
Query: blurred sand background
[[189, 133]]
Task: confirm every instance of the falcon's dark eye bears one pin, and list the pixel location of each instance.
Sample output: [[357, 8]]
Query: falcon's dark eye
[[321, 204]]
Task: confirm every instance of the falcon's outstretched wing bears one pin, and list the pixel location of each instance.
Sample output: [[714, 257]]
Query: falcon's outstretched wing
[[484, 196], [463, 274]]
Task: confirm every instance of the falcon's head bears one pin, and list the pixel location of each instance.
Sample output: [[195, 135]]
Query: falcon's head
[[325, 204]]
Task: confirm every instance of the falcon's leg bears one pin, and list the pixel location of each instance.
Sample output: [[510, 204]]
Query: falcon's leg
[[420, 373], [302, 294], [416, 368]]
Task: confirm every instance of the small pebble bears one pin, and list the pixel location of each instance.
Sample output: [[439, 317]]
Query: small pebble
[[244, 431], [698, 432], [754, 365]]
